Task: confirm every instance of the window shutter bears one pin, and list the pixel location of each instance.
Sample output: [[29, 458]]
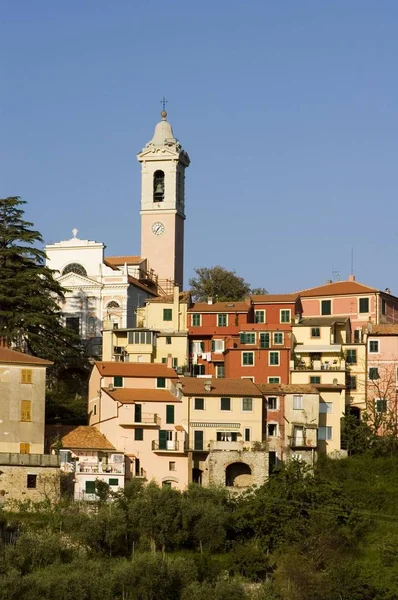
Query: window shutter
[[213, 345], [169, 413], [162, 439], [243, 338]]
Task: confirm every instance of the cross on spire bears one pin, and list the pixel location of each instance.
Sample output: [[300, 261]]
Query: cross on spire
[[163, 102]]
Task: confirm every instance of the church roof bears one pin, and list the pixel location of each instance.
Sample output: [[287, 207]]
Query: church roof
[[163, 135]]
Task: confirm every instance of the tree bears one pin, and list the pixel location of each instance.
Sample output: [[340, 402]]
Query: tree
[[30, 318], [381, 410], [218, 283], [259, 291]]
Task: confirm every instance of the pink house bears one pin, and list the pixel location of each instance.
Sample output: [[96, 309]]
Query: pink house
[[138, 407]]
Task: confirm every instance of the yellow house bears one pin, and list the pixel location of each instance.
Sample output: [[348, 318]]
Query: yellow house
[[318, 359], [225, 421], [161, 333]]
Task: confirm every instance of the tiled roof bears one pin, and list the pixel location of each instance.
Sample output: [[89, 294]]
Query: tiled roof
[[220, 307], [287, 388], [329, 386], [125, 369], [384, 329], [20, 358], [122, 260], [337, 288], [195, 386], [185, 297], [275, 298], [86, 437], [320, 321], [130, 396]]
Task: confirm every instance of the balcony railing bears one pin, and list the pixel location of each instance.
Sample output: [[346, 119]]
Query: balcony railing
[[168, 446], [109, 468], [128, 418], [302, 442]]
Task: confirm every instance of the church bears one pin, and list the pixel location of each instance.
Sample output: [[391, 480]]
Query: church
[[112, 288]]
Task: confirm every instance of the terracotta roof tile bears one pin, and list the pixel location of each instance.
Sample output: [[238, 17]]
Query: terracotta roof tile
[[220, 307], [337, 288], [275, 298], [130, 395], [195, 386], [122, 260], [12, 357], [120, 369], [320, 321], [383, 329], [185, 297], [86, 437], [287, 388]]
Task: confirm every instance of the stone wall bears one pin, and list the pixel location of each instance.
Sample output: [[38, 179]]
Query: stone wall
[[230, 467], [14, 483]]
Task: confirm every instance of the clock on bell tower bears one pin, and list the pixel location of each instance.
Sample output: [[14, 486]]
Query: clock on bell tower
[[163, 204]]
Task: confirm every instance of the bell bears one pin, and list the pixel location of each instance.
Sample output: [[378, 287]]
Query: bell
[[159, 189]]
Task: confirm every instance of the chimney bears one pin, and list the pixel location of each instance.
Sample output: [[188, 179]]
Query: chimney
[[176, 294], [351, 277], [209, 300], [169, 361], [387, 291], [297, 318], [329, 281], [208, 386], [369, 325]]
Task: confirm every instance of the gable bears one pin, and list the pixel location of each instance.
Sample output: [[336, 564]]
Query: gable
[[72, 280]]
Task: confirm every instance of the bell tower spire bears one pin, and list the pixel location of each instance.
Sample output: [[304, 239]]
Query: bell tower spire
[[163, 203]]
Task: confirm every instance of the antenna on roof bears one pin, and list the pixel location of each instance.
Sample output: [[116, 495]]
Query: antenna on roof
[[352, 261], [336, 275]]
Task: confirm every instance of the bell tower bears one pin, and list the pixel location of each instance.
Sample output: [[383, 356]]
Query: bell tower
[[163, 204]]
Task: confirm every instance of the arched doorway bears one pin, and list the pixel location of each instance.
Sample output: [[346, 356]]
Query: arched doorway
[[197, 476], [239, 475]]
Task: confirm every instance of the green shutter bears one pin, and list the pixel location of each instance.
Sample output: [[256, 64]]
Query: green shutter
[[213, 345], [198, 440], [162, 439], [138, 413], [243, 338], [90, 487], [113, 482], [118, 381], [170, 414], [161, 382]]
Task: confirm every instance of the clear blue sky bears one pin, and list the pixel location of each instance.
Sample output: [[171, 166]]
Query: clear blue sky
[[288, 111]]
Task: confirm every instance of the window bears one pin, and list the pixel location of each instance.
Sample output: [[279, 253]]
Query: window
[[26, 375], [172, 465], [264, 339], [198, 347], [272, 403], [137, 467], [168, 340], [225, 404], [315, 332], [114, 481], [73, 323], [297, 402], [24, 448], [374, 373], [160, 382], [138, 434], [26, 410], [326, 307], [140, 337], [198, 440], [31, 481], [274, 358], [247, 359], [247, 435], [364, 305], [220, 370], [222, 320], [272, 429], [158, 186], [259, 316], [247, 338], [315, 379], [374, 346], [351, 357], [199, 403], [274, 380], [247, 404], [383, 307], [118, 381], [94, 410], [196, 320], [166, 484], [227, 436], [217, 346], [74, 268], [90, 487], [325, 408], [170, 414], [325, 433], [278, 337], [198, 370], [175, 363], [285, 316], [357, 336], [167, 314], [381, 405], [351, 382]]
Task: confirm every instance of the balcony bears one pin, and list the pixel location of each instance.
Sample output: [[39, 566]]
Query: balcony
[[127, 418], [168, 446], [308, 440], [227, 445], [318, 365], [99, 468]]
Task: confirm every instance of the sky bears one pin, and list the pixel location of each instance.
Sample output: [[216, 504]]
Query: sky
[[288, 111]]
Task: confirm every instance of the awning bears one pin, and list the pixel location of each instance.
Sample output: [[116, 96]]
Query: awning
[[317, 349]]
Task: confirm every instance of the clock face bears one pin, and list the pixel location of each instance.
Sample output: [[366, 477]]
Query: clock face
[[158, 228]]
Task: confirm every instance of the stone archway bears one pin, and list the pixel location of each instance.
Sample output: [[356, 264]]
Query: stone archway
[[238, 474]]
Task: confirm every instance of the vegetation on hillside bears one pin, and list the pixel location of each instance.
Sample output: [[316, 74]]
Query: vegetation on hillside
[[330, 534]]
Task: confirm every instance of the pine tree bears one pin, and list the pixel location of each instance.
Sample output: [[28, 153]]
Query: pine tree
[[30, 318]]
